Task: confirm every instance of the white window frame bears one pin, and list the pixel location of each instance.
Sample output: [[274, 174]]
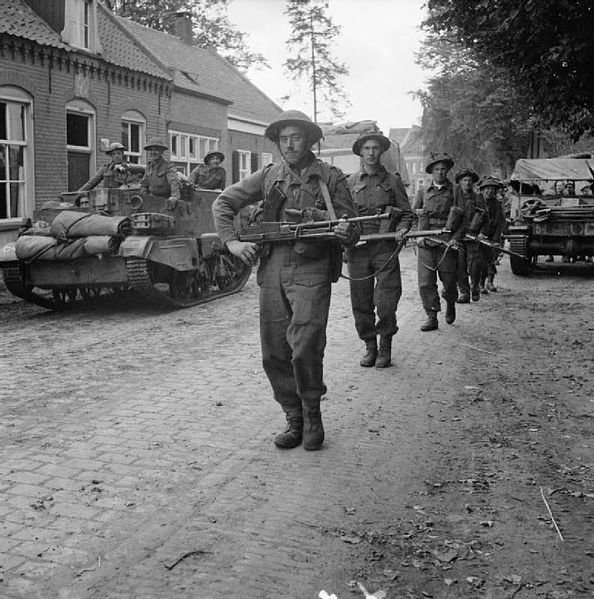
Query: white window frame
[[129, 118], [14, 95], [81, 107], [182, 157], [80, 24], [244, 164]]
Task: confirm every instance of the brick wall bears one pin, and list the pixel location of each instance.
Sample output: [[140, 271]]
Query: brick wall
[[51, 83]]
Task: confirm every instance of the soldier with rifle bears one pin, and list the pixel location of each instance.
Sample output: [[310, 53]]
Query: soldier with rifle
[[294, 275], [496, 215], [374, 268], [472, 256], [439, 207]]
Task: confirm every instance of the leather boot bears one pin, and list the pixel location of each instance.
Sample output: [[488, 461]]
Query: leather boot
[[313, 429], [294, 433], [368, 359], [450, 315], [464, 297], [475, 294], [490, 285], [431, 323], [384, 357]]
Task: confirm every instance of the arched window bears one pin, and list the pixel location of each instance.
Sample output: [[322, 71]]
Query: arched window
[[133, 135], [80, 142], [16, 153]]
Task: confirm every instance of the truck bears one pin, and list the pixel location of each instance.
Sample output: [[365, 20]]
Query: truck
[[551, 210]]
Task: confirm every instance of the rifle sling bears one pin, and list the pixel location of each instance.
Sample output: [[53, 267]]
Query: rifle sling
[[327, 199]]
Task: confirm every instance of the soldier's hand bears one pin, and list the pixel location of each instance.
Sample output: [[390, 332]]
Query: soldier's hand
[[399, 236], [482, 236], [171, 204], [454, 244], [346, 233], [247, 251]]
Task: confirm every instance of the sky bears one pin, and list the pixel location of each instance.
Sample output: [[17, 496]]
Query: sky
[[377, 43]]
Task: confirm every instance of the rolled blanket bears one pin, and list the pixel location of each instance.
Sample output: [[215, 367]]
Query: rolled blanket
[[32, 247], [101, 244], [79, 224]]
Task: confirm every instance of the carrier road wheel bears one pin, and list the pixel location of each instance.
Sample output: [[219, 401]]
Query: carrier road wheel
[[64, 297]]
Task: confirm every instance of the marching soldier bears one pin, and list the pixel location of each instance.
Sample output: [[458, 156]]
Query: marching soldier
[[472, 257], [494, 232], [374, 268], [441, 202], [295, 276]]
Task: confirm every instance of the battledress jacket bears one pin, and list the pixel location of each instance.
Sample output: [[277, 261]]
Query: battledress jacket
[[112, 175], [435, 202], [372, 192], [475, 202], [301, 188], [160, 179], [207, 177], [497, 223]]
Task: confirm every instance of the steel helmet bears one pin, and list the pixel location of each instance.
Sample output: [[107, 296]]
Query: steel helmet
[[293, 117], [113, 146], [383, 141]]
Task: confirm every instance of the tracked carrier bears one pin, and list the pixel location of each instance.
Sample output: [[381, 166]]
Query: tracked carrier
[[547, 216], [173, 258]]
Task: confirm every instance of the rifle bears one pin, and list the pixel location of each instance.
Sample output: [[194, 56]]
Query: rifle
[[493, 246], [287, 231]]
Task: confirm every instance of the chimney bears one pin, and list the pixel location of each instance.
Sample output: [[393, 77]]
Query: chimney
[[182, 26]]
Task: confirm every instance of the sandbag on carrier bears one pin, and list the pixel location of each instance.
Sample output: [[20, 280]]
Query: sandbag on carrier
[[79, 224]]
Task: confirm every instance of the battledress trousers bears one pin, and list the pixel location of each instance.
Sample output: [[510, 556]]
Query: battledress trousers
[[434, 260], [376, 284], [294, 279]]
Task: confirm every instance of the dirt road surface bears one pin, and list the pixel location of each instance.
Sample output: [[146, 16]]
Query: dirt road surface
[[137, 459]]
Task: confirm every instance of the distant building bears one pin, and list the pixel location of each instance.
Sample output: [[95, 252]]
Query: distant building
[[411, 147], [336, 147], [73, 78]]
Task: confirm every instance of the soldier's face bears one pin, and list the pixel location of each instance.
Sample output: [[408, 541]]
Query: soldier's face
[[489, 192], [466, 183], [371, 152], [153, 154], [117, 156], [439, 172], [293, 144], [214, 161]]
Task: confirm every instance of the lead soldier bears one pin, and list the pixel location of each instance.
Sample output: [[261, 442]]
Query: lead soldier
[[294, 276]]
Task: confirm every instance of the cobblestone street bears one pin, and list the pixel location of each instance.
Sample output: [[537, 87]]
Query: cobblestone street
[[137, 457]]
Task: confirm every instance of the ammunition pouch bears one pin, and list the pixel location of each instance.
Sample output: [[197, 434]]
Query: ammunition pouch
[[389, 226], [477, 221], [454, 219]]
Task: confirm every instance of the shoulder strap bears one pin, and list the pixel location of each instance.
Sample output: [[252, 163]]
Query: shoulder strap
[[327, 200]]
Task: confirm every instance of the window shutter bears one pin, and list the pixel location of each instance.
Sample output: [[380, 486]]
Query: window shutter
[[254, 159], [235, 166]]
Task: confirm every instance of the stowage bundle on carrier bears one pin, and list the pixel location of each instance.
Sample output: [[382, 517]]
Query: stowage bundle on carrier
[[74, 235]]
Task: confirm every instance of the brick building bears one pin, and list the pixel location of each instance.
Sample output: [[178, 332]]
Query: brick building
[[73, 78], [411, 147]]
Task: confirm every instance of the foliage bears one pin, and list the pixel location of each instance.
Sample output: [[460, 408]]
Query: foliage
[[210, 25], [310, 52], [544, 48], [470, 109]]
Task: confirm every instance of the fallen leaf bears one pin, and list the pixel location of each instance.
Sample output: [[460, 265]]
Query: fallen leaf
[[446, 556], [352, 539]]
